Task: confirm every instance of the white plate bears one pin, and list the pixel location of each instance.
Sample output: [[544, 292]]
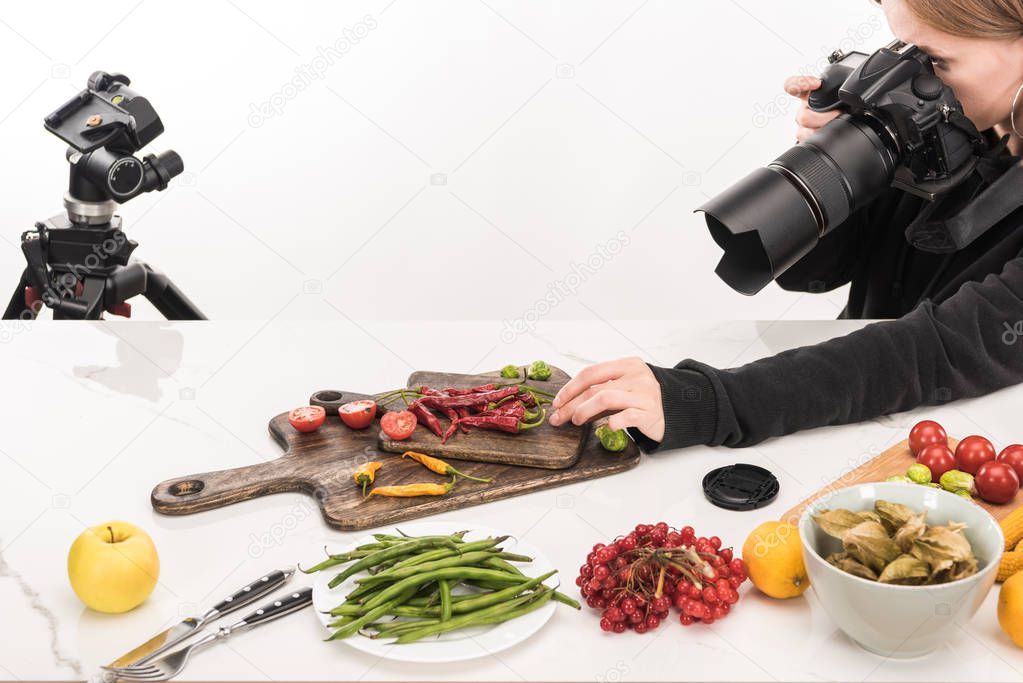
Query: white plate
[[456, 645]]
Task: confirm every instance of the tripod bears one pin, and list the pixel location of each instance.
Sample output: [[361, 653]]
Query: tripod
[[78, 263]]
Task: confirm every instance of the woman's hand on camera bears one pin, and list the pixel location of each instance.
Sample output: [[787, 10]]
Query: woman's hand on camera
[[807, 120], [626, 388]]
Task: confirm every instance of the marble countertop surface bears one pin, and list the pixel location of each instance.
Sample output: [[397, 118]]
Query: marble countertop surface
[[97, 413]]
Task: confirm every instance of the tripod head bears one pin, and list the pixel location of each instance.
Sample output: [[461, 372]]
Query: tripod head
[[105, 125]]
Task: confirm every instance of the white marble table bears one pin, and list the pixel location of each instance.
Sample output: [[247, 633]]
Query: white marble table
[[95, 414]]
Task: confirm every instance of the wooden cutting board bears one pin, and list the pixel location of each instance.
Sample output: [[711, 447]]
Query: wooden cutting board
[[893, 461], [321, 464], [544, 446]]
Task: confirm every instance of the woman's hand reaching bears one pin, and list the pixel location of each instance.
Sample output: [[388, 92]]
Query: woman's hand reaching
[[626, 388], [807, 120]]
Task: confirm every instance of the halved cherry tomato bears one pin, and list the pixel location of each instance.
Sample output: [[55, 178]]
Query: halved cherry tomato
[[307, 418], [358, 414], [398, 426]]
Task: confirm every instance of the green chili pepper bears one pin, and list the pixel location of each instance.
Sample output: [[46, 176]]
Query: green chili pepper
[[612, 440], [539, 370], [511, 372]]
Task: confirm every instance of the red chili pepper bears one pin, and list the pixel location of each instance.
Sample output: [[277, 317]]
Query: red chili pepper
[[467, 400], [449, 413], [463, 412], [503, 423], [451, 391], [514, 408], [425, 416]]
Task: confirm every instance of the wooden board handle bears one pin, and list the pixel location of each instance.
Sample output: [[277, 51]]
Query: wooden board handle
[[209, 490]]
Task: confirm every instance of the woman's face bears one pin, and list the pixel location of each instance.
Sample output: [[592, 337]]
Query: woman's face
[[984, 73]]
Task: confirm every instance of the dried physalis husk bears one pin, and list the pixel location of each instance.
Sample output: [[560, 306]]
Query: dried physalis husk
[[836, 522], [893, 515], [914, 528], [947, 551], [849, 565], [869, 544], [906, 570]]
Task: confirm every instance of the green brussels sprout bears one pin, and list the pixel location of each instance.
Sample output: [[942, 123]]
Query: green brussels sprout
[[964, 493], [957, 480], [899, 479], [919, 473], [539, 371], [510, 372], [612, 440]]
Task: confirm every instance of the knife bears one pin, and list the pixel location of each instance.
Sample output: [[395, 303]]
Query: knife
[[161, 642]]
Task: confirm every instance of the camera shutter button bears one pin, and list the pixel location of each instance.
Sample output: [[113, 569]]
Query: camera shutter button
[[927, 86]]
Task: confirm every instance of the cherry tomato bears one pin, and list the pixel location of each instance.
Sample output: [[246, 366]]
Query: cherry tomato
[[398, 426], [307, 418], [1013, 457], [972, 452], [358, 414], [938, 458], [997, 482], [924, 434]]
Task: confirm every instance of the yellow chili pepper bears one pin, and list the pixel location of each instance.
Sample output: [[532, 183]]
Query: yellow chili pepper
[[439, 466], [366, 474], [412, 490]]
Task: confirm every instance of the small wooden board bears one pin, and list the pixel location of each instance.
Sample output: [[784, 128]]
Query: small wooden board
[[322, 463], [893, 461], [543, 446]]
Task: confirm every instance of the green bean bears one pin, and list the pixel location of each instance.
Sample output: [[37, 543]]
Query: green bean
[[514, 557], [334, 560], [498, 563], [395, 628], [458, 573], [466, 560], [353, 626], [494, 615], [391, 552], [445, 599], [566, 600], [441, 553]]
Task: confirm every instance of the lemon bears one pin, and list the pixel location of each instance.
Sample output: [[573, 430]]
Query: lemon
[[774, 560]]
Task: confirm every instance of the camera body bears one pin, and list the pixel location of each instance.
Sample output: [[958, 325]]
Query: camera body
[[896, 87], [901, 127]]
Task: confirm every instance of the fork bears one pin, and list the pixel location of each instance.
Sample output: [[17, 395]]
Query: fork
[[170, 665]]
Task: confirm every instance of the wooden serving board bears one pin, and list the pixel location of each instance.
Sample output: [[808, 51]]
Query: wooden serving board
[[893, 461], [543, 446], [322, 463]]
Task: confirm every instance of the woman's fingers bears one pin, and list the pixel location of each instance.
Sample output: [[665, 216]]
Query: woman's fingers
[[602, 402], [808, 118], [588, 376], [630, 417], [564, 413], [801, 86]]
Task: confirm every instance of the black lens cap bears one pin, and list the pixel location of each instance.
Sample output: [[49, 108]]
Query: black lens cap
[[740, 487]]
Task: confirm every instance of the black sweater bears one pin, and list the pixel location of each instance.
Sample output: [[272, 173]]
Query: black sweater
[[953, 334]]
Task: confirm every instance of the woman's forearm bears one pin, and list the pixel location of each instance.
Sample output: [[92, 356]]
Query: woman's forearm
[[935, 354]]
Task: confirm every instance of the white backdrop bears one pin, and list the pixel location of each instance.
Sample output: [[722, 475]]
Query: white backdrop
[[455, 159]]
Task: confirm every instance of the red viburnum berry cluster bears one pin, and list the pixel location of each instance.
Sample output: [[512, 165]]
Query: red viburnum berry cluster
[[637, 579]]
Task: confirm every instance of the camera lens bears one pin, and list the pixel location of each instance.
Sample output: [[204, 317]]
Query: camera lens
[[770, 219]]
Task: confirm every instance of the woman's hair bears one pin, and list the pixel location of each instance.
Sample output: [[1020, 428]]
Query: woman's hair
[[993, 19]]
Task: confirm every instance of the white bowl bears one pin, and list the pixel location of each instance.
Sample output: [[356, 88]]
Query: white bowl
[[900, 621]]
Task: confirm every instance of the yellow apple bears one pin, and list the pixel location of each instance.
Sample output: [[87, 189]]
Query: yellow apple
[[113, 567]]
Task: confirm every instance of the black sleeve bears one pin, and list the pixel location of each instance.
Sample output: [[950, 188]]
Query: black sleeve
[[966, 346]]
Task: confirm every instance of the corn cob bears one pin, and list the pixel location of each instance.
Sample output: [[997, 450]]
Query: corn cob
[[1012, 528], [1011, 563]]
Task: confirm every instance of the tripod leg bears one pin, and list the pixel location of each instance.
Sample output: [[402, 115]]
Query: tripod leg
[[168, 299], [16, 308]]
